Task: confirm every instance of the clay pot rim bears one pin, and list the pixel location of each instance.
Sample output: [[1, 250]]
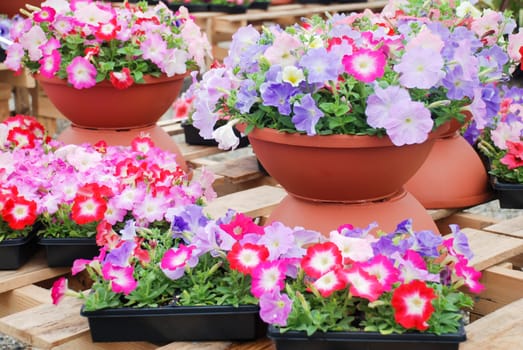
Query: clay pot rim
[[149, 79], [331, 141]]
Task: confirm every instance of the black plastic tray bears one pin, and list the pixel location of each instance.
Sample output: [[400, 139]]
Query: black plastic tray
[[176, 323], [365, 340], [509, 195], [16, 251], [62, 252]]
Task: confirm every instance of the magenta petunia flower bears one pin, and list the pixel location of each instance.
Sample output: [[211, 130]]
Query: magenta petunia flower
[[58, 290], [365, 65], [46, 14], [471, 276], [81, 73], [50, 64], [122, 280], [267, 277]]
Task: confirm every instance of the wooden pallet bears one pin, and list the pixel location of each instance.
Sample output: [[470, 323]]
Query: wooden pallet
[[26, 312]]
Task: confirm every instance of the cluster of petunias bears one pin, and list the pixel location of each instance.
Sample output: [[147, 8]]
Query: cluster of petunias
[[352, 280], [502, 140], [353, 74], [74, 187], [86, 41], [18, 213], [195, 261]]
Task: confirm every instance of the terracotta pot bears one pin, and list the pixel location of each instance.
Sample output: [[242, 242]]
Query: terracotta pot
[[337, 168], [104, 106], [338, 179], [116, 116], [12, 7], [452, 176]]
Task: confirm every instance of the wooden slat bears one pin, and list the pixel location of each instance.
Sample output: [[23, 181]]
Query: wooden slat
[[503, 285], [500, 330], [465, 220], [33, 271], [491, 249], [254, 202], [47, 326], [23, 298], [84, 342], [512, 227], [197, 346]]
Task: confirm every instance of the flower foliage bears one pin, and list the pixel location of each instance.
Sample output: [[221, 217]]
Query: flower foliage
[[501, 142], [194, 261], [87, 42], [366, 73], [73, 188], [353, 280]]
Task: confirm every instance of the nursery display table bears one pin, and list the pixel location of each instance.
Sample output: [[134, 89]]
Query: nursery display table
[[26, 311]]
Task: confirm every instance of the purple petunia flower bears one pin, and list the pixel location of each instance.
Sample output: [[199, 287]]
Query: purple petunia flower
[[457, 85], [420, 68], [428, 243], [306, 115], [321, 65], [120, 256], [247, 96], [278, 95], [409, 123], [275, 308]]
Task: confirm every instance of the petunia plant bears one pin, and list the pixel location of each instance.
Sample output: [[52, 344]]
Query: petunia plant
[[19, 135], [86, 42], [357, 74], [501, 141], [387, 282], [73, 188], [194, 261]]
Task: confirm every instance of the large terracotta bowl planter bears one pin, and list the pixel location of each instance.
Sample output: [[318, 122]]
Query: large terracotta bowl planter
[[12, 7], [453, 175], [116, 116], [338, 179]]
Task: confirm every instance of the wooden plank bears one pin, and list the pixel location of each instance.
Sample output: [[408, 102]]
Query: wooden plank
[[84, 342], [255, 202], [192, 152], [47, 326], [503, 285], [196, 346], [491, 249], [33, 271], [464, 220], [500, 330], [23, 298], [171, 126], [238, 170], [512, 227]]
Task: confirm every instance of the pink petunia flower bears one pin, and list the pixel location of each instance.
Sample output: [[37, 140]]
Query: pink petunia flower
[[58, 290], [365, 65], [470, 275], [267, 277], [383, 269], [50, 64], [81, 73], [122, 280]]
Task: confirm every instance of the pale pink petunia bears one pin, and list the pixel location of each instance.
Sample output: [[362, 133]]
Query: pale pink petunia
[[81, 73], [154, 48], [352, 248], [174, 62], [32, 41], [280, 51], [15, 53]]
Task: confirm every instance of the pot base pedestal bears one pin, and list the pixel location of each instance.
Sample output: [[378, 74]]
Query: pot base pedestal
[[453, 176], [123, 137], [327, 216]]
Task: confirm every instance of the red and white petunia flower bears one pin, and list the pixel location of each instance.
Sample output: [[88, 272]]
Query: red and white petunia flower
[[329, 283], [470, 275], [88, 209], [321, 258], [142, 144], [21, 137], [412, 303], [362, 284], [19, 212], [121, 80], [122, 280], [246, 257], [267, 277]]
